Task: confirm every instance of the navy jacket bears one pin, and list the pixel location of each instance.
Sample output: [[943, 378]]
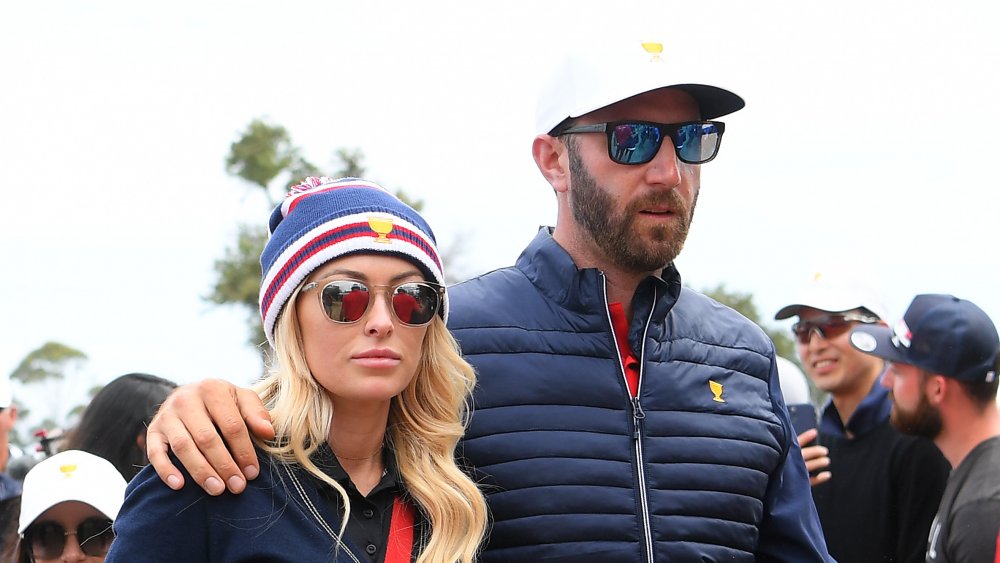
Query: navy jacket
[[281, 516], [701, 466]]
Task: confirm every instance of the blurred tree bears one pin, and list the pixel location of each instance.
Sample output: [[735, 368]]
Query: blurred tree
[[48, 366], [743, 303], [47, 362], [263, 154]]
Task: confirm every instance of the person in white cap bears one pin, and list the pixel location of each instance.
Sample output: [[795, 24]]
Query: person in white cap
[[68, 505], [619, 415], [876, 490]]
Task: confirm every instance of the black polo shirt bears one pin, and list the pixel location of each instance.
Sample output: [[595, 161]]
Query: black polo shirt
[[371, 516]]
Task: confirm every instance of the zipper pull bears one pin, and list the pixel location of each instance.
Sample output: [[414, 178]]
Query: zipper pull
[[637, 416]]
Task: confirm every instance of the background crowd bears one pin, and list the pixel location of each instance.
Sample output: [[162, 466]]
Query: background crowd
[[897, 463]]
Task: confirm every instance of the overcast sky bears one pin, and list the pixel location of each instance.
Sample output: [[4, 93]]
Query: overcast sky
[[867, 144]]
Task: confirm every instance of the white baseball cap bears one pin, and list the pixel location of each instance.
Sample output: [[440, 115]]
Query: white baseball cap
[[794, 387], [836, 295], [68, 476], [598, 74]]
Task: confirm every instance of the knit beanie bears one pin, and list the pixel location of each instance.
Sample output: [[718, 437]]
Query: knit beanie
[[324, 218]]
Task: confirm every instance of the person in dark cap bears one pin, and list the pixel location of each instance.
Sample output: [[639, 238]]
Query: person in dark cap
[[943, 367], [876, 490]]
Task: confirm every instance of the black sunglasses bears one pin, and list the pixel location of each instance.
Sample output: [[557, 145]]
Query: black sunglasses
[[48, 539], [829, 326], [637, 142], [347, 301]]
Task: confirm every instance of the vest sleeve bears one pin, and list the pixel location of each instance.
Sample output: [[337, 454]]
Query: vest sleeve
[[157, 524], [790, 531]]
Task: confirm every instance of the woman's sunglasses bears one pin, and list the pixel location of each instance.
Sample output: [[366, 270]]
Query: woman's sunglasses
[[48, 539], [347, 301], [637, 142], [829, 326]]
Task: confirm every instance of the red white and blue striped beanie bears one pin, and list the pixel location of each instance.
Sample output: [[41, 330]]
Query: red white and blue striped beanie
[[322, 219]]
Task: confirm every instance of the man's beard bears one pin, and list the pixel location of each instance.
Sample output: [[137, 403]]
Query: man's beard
[[615, 234], [925, 421]]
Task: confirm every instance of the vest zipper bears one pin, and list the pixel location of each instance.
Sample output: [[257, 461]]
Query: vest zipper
[[637, 418]]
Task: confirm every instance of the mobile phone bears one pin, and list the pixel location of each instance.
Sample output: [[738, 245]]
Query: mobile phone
[[803, 417]]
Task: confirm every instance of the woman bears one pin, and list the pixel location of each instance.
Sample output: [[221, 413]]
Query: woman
[[367, 393], [114, 424], [68, 504]]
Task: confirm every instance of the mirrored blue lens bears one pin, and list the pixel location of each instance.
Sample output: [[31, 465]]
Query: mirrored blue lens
[[696, 142], [635, 143], [638, 143]]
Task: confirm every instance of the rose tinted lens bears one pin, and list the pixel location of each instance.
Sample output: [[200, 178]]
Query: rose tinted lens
[[345, 301], [415, 303], [828, 328]]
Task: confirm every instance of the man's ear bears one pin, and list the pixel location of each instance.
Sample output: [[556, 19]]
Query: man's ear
[[937, 389], [548, 152]]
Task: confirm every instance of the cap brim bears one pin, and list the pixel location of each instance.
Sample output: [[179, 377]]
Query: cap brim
[[788, 311], [793, 310], [876, 340], [712, 101]]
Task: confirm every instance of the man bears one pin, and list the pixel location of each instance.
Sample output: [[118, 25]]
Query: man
[[944, 357], [9, 487], [619, 416], [8, 418], [876, 490]]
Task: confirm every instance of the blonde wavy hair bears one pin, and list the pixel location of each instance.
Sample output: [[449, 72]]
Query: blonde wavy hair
[[425, 422]]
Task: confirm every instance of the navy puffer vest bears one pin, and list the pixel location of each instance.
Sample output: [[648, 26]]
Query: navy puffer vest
[[574, 468]]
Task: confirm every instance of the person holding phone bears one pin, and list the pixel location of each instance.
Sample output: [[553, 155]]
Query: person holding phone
[[875, 489]]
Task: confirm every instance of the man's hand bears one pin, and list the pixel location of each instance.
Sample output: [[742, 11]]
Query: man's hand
[[190, 422], [815, 457]]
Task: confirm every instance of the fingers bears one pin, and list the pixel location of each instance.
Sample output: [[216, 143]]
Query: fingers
[[213, 436], [808, 436], [157, 446], [253, 417], [821, 477], [816, 458], [186, 424]]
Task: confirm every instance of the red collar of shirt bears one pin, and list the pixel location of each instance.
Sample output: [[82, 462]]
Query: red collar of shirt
[[630, 364]]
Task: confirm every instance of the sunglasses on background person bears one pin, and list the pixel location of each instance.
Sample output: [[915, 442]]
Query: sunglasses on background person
[[829, 326], [46, 540], [347, 301], [637, 142]]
